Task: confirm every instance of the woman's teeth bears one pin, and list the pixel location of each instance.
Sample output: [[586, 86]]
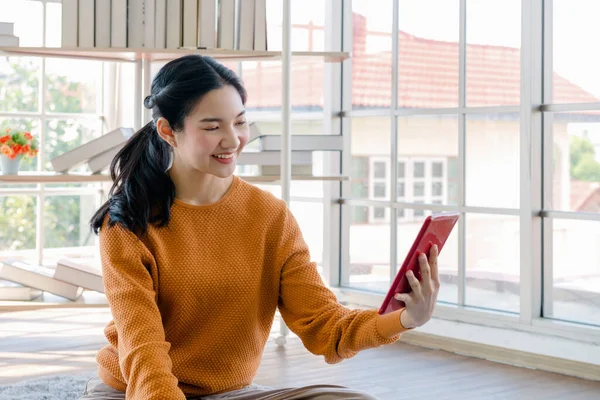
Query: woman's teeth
[[223, 155]]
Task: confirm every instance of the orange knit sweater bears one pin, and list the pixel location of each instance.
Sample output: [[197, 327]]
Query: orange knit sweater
[[193, 303]]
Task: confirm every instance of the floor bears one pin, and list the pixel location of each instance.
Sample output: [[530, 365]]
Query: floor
[[59, 341]]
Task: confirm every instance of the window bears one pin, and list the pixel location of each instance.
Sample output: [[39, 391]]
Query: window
[[63, 105], [420, 181]]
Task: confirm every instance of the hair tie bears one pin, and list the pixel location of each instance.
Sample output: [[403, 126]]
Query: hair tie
[[149, 102]]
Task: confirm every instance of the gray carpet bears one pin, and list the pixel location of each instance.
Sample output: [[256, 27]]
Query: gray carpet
[[58, 387]]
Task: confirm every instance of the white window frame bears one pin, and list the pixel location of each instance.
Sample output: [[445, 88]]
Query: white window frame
[[41, 191]]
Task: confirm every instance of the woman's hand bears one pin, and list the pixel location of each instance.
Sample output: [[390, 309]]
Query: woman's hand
[[421, 301]]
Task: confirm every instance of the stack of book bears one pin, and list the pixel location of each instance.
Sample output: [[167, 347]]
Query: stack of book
[[20, 281], [97, 153], [7, 37], [165, 24]]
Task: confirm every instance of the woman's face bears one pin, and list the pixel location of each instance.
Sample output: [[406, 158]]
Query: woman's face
[[214, 134]]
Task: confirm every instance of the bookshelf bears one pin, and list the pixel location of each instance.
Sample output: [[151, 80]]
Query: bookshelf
[[132, 55], [142, 58]]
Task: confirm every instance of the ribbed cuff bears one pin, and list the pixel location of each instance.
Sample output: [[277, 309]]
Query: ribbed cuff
[[389, 325]]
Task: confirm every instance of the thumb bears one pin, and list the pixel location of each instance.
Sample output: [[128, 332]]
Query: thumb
[[404, 297]]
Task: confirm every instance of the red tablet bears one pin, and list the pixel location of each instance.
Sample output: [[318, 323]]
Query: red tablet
[[435, 230]]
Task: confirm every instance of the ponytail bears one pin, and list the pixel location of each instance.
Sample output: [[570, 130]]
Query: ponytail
[[142, 192]]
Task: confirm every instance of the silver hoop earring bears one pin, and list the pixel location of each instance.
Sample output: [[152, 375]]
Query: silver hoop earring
[[171, 157]]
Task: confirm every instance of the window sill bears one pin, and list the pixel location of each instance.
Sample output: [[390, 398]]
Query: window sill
[[526, 349], [546, 345]]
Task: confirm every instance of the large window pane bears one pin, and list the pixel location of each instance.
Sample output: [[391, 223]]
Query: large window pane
[[427, 159], [369, 249], [73, 86], [371, 54], [576, 161], [19, 84], [66, 224], [493, 52], [408, 228], [17, 227], [493, 160], [428, 54], [575, 271], [371, 162], [575, 65], [493, 262], [308, 20], [263, 82]]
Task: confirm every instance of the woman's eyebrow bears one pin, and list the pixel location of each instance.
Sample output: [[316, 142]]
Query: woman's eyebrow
[[220, 119]]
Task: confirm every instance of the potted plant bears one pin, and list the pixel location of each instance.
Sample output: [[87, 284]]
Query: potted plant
[[14, 147]]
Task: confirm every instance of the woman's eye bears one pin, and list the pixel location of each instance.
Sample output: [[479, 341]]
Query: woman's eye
[[241, 123], [211, 129]]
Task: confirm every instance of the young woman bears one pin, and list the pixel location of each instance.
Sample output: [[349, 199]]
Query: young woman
[[196, 261]]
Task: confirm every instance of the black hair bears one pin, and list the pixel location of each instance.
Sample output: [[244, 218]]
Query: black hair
[[142, 191]]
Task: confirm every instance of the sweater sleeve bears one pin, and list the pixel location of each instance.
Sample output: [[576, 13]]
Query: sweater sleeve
[[129, 273], [312, 311]]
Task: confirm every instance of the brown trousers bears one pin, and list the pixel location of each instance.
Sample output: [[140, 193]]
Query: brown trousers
[[97, 390]]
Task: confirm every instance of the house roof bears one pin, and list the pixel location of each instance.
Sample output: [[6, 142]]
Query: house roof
[[585, 196], [428, 76]]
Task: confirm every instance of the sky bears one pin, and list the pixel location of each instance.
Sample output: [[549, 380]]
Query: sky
[[492, 22]]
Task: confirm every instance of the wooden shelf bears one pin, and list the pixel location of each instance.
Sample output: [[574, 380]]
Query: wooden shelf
[[26, 178], [129, 55]]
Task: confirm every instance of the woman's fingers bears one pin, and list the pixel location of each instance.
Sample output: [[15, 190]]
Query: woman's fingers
[[433, 264], [424, 265], [414, 284], [404, 297]]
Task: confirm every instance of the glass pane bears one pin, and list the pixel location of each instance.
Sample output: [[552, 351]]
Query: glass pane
[[371, 54], [262, 80], [447, 261], [72, 86], [21, 91], [308, 20], [27, 16], [419, 189], [67, 221], [310, 220], [428, 53], [576, 161], [493, 262], [436, 189], [437, 169], [379, 170], [575, 67], [65, 135], [419, 170], [17, 227], [576, 271], [493, 160], [493, 52], [371, 141], [21, 125], [426, 145], [380, 190], [369, 251]]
